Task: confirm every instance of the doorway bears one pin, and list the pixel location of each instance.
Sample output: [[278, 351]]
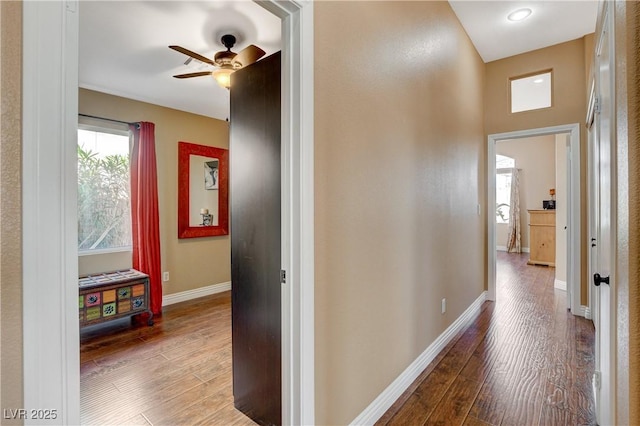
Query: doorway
[[51, 361], [534, 168], [573, 207]]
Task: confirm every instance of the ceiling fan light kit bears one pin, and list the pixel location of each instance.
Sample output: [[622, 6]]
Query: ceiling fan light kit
[[226, 61], [223, 76]]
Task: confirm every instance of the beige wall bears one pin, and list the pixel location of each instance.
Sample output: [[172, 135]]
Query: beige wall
[[569, 105], [192, 262], [399, 155], [535, 157], [627, 248], [95, 263], [633, 301], [11, 356]]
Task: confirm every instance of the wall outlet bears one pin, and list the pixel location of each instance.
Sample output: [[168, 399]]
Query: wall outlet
[[165, 276], [444, 305]]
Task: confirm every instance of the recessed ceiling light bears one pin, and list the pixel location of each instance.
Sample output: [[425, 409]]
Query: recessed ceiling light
[[519, 14]]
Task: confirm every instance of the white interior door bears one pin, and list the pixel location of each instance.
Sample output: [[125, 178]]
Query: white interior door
[[603, 169], [593, 167], [568, 230]]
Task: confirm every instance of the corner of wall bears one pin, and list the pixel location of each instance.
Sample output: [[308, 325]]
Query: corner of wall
[[633, 91], [11, 356]]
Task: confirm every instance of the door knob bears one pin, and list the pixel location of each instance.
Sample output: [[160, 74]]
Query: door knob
[[597, 280]]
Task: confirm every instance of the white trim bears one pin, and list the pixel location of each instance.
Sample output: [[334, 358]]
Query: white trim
[[298, 353], [114, 128], [586, 312], [593, 206], [195, 293], [560, 285], [491, 219], [573, 211], [381, 404], [49, 187], [504, 248], [97, 252]]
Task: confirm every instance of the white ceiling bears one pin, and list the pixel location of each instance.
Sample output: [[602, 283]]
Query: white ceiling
[[551, 22], [124, 48], [123, 44]]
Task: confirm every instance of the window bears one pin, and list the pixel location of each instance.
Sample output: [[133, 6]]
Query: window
[[503, 187], [104, 204], [531, 92]]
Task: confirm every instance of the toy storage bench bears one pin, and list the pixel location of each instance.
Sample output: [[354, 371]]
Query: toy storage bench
[[110, 295]]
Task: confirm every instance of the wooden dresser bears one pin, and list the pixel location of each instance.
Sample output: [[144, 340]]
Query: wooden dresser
[[542, 237]]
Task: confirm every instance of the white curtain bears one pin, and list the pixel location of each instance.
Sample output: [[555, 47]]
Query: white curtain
[[513, 240]]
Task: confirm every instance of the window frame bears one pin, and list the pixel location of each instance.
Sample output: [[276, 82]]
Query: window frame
[[112, 128], [503, 171], [529, 75]]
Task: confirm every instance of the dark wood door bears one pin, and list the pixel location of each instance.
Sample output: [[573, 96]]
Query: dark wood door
[[255, 240]]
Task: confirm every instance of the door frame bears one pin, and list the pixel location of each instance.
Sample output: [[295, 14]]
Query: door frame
[[297, 168], [573, 209], [592, 203], [606, 402], [51, 369]]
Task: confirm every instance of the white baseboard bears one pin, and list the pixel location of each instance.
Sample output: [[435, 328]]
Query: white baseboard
[[183, 296], [560, 285], [585, 311], [504, 248], [381, 404]]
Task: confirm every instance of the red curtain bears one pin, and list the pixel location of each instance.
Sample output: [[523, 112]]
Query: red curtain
[[144, 210]]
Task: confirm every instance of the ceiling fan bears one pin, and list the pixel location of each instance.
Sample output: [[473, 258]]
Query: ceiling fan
[[226, 61]]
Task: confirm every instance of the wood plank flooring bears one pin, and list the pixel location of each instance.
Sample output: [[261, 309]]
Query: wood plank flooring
[[177, 372], [524, 361]]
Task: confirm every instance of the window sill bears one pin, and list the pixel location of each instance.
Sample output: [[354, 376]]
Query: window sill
[[105, 251]]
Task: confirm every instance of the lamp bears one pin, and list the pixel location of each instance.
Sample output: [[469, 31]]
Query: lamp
[[223, 76]]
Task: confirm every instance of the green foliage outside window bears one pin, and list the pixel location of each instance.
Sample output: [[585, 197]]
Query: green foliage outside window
[[104, 207]]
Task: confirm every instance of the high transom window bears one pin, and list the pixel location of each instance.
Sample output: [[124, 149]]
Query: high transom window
[[531, 92]]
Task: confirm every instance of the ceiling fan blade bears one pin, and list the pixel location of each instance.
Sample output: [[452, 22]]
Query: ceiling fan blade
[[193, 74], [248, 55], [192, 54]]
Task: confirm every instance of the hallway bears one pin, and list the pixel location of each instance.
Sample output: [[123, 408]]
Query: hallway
[[524, 361]]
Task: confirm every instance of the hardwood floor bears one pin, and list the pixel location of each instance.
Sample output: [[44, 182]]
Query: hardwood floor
[[524, 361], [177, 372]]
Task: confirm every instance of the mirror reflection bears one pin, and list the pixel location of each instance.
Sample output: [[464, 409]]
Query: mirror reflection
[[204, 190]]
